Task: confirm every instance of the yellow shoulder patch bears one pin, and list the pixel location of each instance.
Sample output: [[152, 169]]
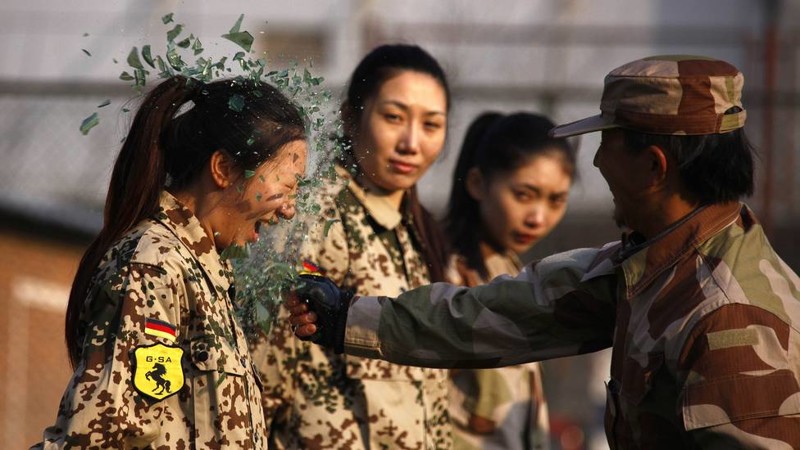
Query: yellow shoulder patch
[[158, 370]]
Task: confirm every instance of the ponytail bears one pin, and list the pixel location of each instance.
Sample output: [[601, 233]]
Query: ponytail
[[137, 181], [463, 212]]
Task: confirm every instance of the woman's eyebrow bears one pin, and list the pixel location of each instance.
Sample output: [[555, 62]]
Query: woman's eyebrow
[[405, 107]]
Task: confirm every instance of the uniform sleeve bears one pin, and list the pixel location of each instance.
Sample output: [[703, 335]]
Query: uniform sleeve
[[550, 310], [741, 389], [101, 407]]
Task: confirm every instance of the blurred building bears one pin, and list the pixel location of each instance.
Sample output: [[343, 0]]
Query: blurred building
[[60, 61]]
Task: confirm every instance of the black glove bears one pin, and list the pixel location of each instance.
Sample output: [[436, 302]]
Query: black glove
[[330, 304]]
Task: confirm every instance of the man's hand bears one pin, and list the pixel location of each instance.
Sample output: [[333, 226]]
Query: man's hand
[[318, 311]]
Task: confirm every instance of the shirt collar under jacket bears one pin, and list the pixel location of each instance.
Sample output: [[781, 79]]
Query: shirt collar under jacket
[[377, 207], [647, 261], [186, 227]]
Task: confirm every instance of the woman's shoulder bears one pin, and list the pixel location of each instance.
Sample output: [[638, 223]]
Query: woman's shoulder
[[149, 243], [458, 271], [330, 183]]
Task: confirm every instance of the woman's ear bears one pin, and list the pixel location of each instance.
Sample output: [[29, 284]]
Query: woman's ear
[[475, 184], [222, 169]]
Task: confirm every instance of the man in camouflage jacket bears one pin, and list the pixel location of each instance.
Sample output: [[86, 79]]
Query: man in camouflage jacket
[[701, 312], [164, 363]]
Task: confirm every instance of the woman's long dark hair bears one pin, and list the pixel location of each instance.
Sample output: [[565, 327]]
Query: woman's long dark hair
[[381, 64], [496, 145], [248, 120]]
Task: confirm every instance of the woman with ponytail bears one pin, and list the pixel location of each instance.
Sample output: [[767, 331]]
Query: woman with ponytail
[[372, 235], [510, 189], [159, 359]]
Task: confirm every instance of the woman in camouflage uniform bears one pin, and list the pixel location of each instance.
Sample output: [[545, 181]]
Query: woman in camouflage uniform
[[373, 236], [510, 189], [150, 313]]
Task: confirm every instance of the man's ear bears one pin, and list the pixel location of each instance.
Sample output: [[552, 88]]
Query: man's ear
[[222, 169], [475, 184], [658, 164]]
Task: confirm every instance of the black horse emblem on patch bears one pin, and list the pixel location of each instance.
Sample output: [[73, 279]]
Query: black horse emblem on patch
[[158, 370], [157, 375]]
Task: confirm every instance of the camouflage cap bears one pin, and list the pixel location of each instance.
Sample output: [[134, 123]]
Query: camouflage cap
[[670, 94]]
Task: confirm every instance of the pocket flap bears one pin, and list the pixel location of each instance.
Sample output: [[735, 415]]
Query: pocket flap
[[739, 397], [209, 353]]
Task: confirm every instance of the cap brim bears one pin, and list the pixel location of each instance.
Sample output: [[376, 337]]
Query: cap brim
[[587, 125]]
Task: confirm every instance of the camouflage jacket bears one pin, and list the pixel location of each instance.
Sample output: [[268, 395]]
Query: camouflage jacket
[[512, 397], [322, 400], [162, 293], [703, 321]]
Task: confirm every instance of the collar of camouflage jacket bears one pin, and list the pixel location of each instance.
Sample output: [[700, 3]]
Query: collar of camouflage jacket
[[377, 207], [186, 227], [660, 253]]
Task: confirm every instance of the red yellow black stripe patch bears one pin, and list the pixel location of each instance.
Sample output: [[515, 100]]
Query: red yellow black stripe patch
[[155, 327], [310, 268]]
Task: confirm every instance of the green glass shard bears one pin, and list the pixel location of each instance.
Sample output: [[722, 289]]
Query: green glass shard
[[205, 69], [164, 70], [148, 58], [174, 58], [173, 33], [125, 76], [86, 51], [106, 102], [185, 43], [236, 102], [133, 59], [249, 174], [197, 47], [238, 24], [243, 39], [139, 78], [167, 18], [89, 123]]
